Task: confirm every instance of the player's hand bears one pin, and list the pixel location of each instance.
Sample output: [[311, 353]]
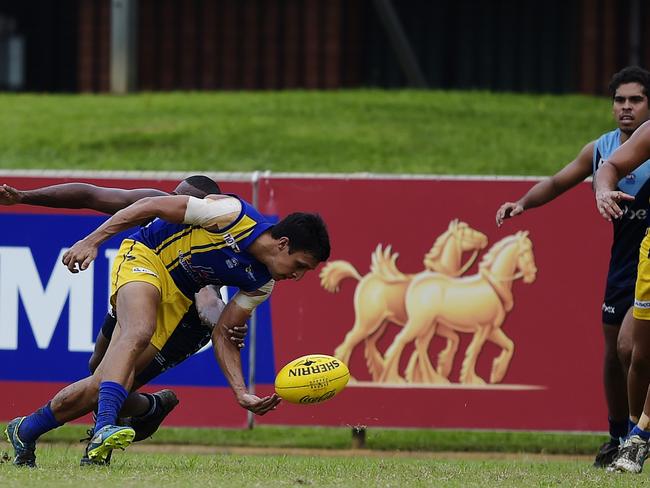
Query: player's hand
[[9, 195], [237, 335], [607, 203], [79, 256], [507, 210], [257, 405]]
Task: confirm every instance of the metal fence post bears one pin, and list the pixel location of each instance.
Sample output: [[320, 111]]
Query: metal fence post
[[252, 333], [123, 45]]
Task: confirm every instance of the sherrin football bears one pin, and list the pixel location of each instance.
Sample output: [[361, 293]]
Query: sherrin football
[[311, 379]]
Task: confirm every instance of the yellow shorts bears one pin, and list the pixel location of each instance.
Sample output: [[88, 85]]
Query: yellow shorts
[[642, 288], [136, 262]]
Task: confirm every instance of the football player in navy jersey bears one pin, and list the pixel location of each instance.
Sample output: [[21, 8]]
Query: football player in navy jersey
[[612, 201], [218, 240], [629, 89], [144, 412]]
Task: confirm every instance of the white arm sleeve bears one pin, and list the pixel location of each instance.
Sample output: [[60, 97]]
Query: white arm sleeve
[[250, 302], [207, 212]]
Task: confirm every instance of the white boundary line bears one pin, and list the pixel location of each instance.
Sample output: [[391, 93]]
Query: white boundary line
[[250, 176]]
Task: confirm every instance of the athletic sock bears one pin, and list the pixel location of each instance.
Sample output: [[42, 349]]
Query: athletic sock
[[37, 424], [617, 429], [643, 434], [111, 399]]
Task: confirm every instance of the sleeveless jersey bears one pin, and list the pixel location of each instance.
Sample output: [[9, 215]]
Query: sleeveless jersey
[[195, 257], [629, 230]]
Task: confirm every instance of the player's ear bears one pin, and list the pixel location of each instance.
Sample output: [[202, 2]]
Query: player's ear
[[283, 242]]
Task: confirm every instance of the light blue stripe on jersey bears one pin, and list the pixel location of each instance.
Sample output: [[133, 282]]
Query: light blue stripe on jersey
[[603, 149]]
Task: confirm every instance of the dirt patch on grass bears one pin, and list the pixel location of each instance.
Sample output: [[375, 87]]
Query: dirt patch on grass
[[291, 451]]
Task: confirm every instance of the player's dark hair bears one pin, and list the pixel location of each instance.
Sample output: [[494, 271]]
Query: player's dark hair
[[306, 232], [203, 183], [630, 74]]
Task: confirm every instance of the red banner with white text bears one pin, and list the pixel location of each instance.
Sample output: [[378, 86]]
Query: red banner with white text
[[445, 320]]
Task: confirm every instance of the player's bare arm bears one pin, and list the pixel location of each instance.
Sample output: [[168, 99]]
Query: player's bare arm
[[552, 187], [83, 252], [77, 195], [212, 212], [229, 359], [629, 156]]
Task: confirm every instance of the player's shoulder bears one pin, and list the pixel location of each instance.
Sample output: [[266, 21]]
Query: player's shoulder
[[221, 197], [213, 212]]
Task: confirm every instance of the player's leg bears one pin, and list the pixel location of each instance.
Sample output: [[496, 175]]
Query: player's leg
[[136, 308], [101, 342], [639, 370], [70, 403], [136, 403], [625, 346], [186, 339], [617, 304], [635, 448], [614, 380], [185, 336], [148, 307]]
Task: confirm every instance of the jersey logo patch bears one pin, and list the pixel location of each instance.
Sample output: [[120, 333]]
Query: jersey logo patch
[[201, 275], [137, 269], [641, 304], [249, 272], [232, 243]]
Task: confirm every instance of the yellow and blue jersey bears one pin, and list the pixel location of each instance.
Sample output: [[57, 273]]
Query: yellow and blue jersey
[[195, 257]]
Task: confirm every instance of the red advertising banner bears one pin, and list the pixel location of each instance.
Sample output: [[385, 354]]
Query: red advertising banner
[[514, 345], [444, 320]]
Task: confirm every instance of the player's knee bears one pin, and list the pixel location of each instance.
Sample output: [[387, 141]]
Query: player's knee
[[624, 352], [640, 361], [137, 339]]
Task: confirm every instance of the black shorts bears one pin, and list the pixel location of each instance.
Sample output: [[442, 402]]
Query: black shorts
[[189, 336], [618, 301]]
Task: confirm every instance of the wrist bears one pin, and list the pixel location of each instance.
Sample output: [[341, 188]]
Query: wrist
[[240, 392], [94, 240]]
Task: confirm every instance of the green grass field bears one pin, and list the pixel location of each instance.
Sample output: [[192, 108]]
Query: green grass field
[[430, 132], [58, 467], [380, 439]]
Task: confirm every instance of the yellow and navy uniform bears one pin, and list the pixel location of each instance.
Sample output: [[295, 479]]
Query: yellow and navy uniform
[[180, 259]]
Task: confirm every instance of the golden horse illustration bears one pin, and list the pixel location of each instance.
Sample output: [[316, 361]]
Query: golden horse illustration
[[379, 296], [477, 303]]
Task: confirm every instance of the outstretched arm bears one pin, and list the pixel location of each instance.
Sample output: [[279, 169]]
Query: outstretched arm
[[77, 195], [83, 252], [212, 211], [229, 359], [552, 187], [622, 162]]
